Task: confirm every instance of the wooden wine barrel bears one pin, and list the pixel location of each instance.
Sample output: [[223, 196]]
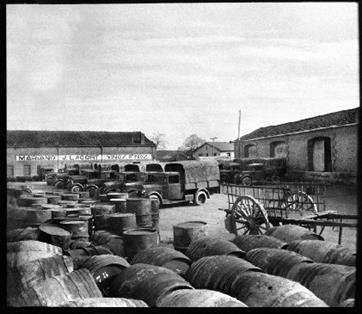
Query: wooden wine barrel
[[164, 257], [32, 245], [185, 232], [105, 302], [289, 233], [147, 282], [138, 239], [25, 275], [198, 298], [324, 252], [104, 268], [58, 290], [55, 235], [77, 228], [209, 246], [70, 196], [28, 233], [265, 290]]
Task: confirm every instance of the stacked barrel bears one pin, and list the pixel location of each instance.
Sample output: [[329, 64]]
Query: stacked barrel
[[120, 262]]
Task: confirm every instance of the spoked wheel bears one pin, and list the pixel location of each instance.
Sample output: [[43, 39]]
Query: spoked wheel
[[301, 202], [250, 216]]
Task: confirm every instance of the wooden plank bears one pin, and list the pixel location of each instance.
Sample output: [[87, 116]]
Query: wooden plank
[[316, 222]]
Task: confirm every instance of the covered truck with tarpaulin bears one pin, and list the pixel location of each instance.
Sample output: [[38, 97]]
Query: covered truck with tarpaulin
[[188, 180]]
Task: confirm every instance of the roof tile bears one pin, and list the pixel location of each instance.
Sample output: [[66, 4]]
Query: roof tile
[[338, 118]]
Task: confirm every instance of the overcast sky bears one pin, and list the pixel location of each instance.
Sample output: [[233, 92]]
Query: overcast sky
[[179, 69]]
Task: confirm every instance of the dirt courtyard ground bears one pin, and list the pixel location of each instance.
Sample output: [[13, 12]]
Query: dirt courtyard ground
[[339, 198]]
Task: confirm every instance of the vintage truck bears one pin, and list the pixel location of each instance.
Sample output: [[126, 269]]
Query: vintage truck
[[59, 179], [251, 171], [183, 181], [126, 181]]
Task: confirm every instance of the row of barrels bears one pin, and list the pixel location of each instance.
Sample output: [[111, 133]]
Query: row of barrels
[[72, 222], [103, 280], [221, 277]]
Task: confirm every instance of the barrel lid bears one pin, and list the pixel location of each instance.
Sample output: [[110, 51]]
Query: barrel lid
[[84, 201], [72, 222], [121, 215], [50, 206], [139, 231], [118, 200], [65, 202], [53, 229], [190, 224]]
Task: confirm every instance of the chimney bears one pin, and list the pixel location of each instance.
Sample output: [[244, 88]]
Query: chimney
[[142, 139]]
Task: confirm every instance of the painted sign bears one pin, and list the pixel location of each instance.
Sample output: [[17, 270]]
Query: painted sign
[[83, 157]]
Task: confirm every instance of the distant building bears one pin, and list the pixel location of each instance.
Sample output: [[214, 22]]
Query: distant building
[[321, 147], [215, 149], [172, 155], [28, 151]]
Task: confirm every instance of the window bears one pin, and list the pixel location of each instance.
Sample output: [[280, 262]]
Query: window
[[215, 154], [319, 154], [207, 154], [27, 170], [228, 154], [250, 151], [200, 154], [10, 171], [278, 149], [173, 179]]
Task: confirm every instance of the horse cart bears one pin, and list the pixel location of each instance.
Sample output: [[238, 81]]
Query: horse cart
[[254, 209]]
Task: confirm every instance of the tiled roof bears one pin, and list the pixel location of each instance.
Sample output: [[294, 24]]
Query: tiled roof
[[74, 138], [222, 146], [327, 120]]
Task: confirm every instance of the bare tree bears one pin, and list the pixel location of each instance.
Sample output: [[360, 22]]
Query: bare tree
[[192, 142], [159, 140]]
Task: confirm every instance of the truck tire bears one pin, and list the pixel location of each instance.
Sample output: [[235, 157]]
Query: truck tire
[[75, 188], [200, 198], [154, 196], [247, 181], [92, 190], [59, 185]]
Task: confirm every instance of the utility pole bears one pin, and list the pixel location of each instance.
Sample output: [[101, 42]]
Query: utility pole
[[213, 139], [239, 134]]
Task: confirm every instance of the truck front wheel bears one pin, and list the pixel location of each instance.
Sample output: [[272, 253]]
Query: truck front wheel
[[200, 198]]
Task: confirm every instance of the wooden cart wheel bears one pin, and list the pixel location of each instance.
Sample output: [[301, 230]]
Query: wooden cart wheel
[[250, 216], [301, 202]]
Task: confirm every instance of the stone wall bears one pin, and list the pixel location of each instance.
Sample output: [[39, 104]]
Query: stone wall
[[343, 150]]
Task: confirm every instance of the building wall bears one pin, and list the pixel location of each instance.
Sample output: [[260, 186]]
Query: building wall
[[53, 153], [343, 148]]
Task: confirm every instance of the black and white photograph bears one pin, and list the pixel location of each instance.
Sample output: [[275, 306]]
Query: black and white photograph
[[200, 154]]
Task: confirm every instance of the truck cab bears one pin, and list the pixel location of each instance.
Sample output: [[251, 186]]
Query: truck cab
[[183, 181]]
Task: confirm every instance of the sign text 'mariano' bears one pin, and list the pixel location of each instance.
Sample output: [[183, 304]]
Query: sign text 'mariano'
[[83, 157]]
